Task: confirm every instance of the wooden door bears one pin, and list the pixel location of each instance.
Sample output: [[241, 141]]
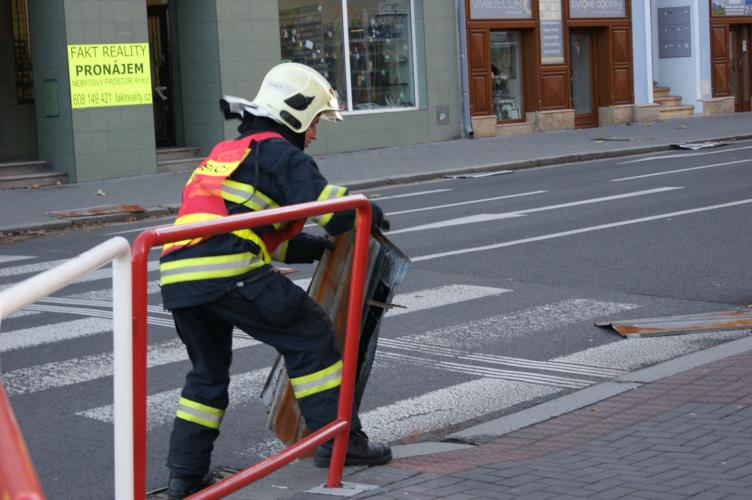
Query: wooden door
[[739, 64], [720, 60], [480, 72]]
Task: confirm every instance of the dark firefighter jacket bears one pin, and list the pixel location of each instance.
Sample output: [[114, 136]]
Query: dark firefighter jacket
[[276, 172]]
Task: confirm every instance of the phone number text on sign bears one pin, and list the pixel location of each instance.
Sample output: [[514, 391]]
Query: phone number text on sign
[[115, 74]]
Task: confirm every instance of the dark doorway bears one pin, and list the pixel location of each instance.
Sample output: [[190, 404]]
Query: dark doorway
[[582, 84], [164, 123], [739, 53]]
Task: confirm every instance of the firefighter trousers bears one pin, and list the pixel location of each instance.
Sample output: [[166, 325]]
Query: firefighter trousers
[[280, 314]]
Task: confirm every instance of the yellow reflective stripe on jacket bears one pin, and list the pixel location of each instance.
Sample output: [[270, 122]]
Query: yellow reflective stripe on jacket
[[199, 414], [246, 195], [280, 254], [199, 268], [329, 192], [316, 382], [188, 219]]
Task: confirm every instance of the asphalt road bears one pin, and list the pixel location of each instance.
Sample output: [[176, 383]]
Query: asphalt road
[[510, 273]]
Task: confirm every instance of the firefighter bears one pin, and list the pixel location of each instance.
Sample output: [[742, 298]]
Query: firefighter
[[214, 284]]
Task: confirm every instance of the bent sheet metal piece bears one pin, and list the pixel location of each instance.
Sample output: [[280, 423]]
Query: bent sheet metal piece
[[675, 325], [386, 269]]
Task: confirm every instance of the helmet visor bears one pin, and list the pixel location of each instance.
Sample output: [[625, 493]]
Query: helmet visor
[[331, 111], [332, 116]]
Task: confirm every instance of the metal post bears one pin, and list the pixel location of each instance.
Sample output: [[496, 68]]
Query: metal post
[[122, 373], [37, 287], [337, 429], [352, 335], [141, 247]]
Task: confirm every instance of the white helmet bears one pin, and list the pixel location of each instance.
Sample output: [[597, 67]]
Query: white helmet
[[294, 94]]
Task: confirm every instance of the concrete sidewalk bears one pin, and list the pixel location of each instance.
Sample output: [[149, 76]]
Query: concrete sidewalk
[[681, 429], [159, 194]]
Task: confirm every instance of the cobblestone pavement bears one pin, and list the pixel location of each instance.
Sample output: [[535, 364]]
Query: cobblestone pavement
[[688, 435]]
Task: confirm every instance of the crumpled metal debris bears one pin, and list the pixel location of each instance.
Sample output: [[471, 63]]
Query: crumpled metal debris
[[689, 323], [98, 210], [694, 146]]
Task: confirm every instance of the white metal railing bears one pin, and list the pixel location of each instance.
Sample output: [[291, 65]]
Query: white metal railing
[[118, 251]]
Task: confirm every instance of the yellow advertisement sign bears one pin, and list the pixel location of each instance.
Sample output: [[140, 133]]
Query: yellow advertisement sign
[[114, 74]]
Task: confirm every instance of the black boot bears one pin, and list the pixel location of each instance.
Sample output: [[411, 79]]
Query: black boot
[[182, 486], [360, 451]]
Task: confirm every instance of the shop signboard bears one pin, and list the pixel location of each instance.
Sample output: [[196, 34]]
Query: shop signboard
[[551, 32], [597, 8], [112, 74], [501, 9], [732, 7]]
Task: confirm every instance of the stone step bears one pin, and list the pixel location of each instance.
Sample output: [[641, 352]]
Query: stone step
[[179, 165], [661, 91], [177, 153], [32, 180], [676, 111], [669, 100], [24, 167]]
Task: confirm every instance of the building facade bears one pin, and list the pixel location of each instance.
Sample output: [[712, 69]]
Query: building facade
[[100, 88], [552, 64], [103, 89]]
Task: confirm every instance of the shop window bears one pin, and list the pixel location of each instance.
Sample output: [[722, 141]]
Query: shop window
[[19, 13], [506, 73], [366, 51]]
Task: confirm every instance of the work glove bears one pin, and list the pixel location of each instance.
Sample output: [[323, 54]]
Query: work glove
[[305, 248], [377, 218]]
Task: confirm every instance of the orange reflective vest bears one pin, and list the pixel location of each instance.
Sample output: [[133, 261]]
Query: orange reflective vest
[[203, 200]]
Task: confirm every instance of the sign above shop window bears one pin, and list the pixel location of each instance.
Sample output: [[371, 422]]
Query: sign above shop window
[[501, 9], [597, 8], [551, 32], [732, 7]]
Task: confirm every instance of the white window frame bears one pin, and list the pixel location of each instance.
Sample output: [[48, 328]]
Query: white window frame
[[348, 76]]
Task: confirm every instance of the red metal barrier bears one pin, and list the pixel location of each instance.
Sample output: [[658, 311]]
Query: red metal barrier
[[337, 429], [18, 480]]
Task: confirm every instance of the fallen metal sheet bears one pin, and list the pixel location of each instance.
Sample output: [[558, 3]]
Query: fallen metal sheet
[[676, 325], [99, 210], [478, 176], [386, 269], [699, 145], [618, 139]]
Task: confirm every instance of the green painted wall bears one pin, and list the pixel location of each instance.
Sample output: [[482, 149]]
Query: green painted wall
[[199, 63], [93, 143], [18, 138], [249, 42]]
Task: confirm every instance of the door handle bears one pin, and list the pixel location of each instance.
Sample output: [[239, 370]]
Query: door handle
[[160, 91]]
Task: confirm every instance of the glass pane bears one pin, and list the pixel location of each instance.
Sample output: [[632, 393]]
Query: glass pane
[[582, 93], [311, 33], [381, 62], [506, 71]]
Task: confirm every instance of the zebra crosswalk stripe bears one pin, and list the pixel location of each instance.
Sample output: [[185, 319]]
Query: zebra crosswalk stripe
[[46, 334], [160, 407], [68, 372], [14, 258]]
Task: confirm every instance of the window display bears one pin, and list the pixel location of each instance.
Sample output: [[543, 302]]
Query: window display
[[506, 75], [374, 70], [311, 34]]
